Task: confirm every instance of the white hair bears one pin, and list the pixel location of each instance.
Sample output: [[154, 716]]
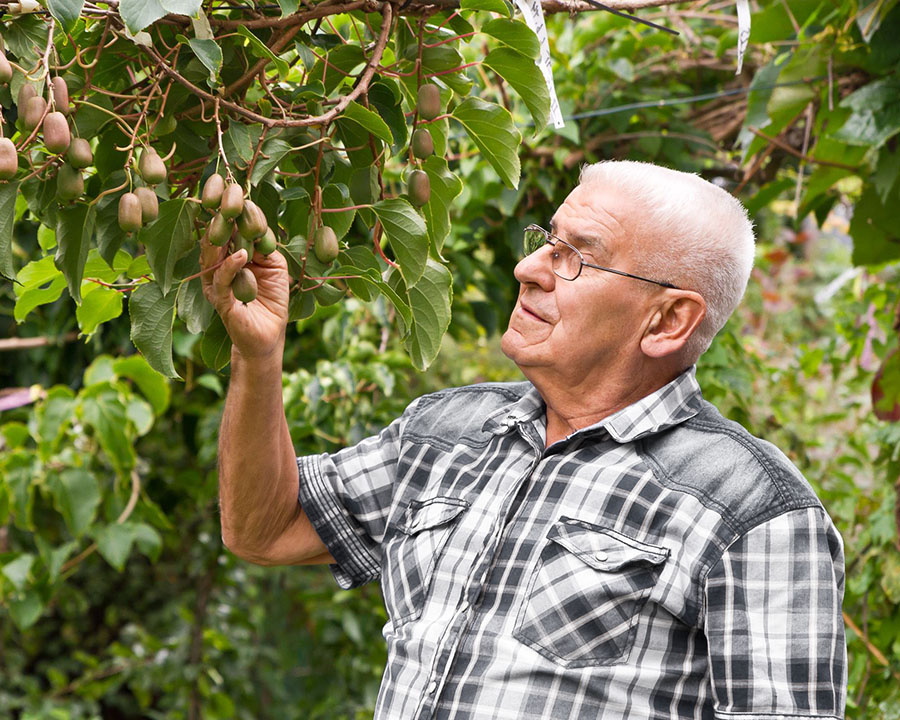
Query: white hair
[[694, 235]]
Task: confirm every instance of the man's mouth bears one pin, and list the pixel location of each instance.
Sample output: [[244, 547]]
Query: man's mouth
[[531, 313]]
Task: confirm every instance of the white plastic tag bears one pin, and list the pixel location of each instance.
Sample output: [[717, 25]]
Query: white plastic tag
[[534, 18], [743, 13]]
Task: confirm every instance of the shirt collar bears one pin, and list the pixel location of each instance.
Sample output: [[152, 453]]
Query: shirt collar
[[671, 405]]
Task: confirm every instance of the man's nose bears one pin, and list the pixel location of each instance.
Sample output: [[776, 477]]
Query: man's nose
[[537, 269]]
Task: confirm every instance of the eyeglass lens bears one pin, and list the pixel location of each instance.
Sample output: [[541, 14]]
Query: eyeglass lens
[[566, 262]]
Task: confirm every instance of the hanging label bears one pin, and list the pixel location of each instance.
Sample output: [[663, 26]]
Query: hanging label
[[743, 13], [534, 18]]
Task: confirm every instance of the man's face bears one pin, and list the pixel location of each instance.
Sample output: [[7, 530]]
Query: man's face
[[578, 329]]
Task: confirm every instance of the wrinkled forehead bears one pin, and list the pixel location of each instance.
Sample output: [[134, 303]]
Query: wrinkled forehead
[[597, 216]]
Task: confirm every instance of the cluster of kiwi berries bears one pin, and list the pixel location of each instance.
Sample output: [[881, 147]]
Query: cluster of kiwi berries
[[428, 107], [140, 205], [34, 111]]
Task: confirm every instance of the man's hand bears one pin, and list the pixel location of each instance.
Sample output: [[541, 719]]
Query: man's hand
[[257, 328]]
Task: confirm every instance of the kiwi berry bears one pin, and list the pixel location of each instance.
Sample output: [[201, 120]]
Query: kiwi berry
[[244, 286], [232, 203], [56, 132], [419, 188], [266, 244], [325, 245], [69, 183], [252, 221], [429, 101], [211, 195], [9, 159], [26, 92], [60, 94], [219, 231], [33, 112], [130, 212], [80, 154], [6, 71], [151, 167], [149, 204], [422, 144]]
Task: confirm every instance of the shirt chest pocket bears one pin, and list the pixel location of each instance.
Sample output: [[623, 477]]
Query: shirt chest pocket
[[583, 601], [413, 552]]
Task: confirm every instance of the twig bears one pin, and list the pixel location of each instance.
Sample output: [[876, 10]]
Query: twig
[[796, 153]]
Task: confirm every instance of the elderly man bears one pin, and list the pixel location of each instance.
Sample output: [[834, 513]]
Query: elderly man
[[596, 542]]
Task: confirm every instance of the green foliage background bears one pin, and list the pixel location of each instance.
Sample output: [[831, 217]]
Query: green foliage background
[[118, 599]]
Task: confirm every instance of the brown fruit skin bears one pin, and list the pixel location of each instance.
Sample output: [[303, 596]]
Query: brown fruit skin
[[130, 212], [219, 231], [26, 92], [151, 167], [325, 245], [267, 244], [422, 143], [33, 112], [9, 159], [419, 188], [56, 133], [252, 221], [6, 71], [60, 94], [149, 204], [213, 188], [429, 101], [232, 201], [80, 154], [244, 286], [69, 183]]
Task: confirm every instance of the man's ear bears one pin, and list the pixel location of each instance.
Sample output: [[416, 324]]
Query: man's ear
[[674, 321]]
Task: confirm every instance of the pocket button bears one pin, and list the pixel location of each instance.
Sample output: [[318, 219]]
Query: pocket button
[[601, 557]]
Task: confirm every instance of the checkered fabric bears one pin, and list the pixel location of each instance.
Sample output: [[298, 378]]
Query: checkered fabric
[[662, 563]]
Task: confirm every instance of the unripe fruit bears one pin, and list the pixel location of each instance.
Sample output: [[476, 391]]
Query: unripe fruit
[[56, 132], [6, 72], [149, 204], [26, 92], [267, 244], [60, 94], [244, 286], [239, 242], [325, 245], [33, 112], [252, 221], [232, 201], [151, 167], [429, 104], [80, 154], [219, 231], [419, 188], [422, 143], [9, 159], [69, 183], [130, 212], [213, 188]]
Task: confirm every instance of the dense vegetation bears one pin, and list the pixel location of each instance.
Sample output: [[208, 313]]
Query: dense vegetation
[[118, 600]]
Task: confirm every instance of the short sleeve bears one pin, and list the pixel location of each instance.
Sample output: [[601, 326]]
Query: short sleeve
[[774, 624], [347, 497]]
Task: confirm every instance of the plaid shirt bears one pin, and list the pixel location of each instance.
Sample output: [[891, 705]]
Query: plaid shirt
[[662, 563]]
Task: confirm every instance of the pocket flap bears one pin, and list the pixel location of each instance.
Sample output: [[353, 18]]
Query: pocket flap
[[604, 549], [426, 514]]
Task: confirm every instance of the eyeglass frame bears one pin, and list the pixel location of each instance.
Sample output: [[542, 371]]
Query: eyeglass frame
[[551, 240]]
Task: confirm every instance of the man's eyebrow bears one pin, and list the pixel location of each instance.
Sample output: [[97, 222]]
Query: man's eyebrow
[[580, 240]]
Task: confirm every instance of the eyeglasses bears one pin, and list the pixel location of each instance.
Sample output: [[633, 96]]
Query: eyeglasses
[[567, 260]]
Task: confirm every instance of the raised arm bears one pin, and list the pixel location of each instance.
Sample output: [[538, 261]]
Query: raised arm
[[262, 520]]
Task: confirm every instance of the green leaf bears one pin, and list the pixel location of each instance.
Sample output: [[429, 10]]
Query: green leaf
[[260, 49], [103, 410], [210, 54], [138, 14], [429, 301], [337, 196], [98, 306], [193, 307], [8, 193], [515, 34], [74, 228], [407, 234], [270, 155], [526, 79], [876, 113], [17, 570], [76, 494], [368, 120], [114, 543], [38, 283], [874, 229], [168, 238], [26, 609], [153, 386], [65, 11], [497, 6], [492, 130], [152, 315], [148, 540], [445, 187], [288, 7], [215, 346]]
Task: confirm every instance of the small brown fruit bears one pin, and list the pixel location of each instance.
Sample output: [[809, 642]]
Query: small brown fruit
[[325, 245], [56, 132], [60, 94], [219, 231], [422, 144], [69, 183], [151, 167], [213, 188], [26, 92], [244, 286], [419, 188], [266, 244], [33, 112], [130, 212], [80, 154], [232, 201], [252, 221], [149, 204], [429, 101], [9, 159], [6, 71]]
